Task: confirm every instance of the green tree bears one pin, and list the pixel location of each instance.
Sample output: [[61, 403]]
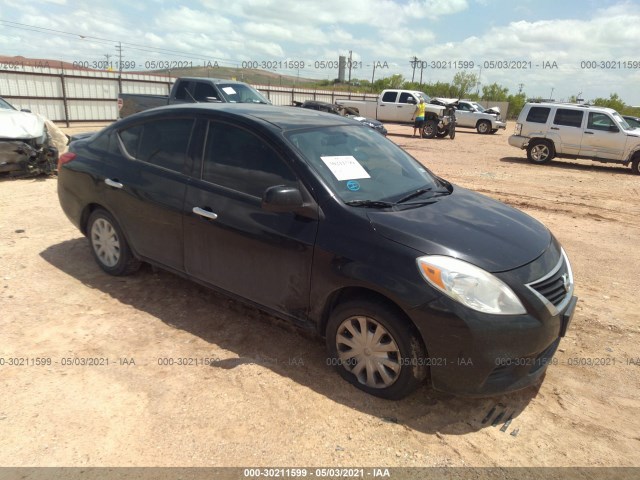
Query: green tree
[[614, 101], [495, 92], [464, 83], [516, 103]]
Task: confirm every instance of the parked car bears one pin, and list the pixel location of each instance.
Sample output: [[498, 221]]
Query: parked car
[[399, 106], [315, 219], [344, 111], [564, 130], [26, 146], [634, 122], [192, 90], [473, 115]]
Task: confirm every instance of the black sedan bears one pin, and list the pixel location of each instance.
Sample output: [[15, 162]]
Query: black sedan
[[315, 219]]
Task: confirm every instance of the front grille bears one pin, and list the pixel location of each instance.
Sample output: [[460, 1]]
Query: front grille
[[553, 288], [557, 286]]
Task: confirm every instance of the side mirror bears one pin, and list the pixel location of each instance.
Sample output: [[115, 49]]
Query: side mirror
[[411, 100], [613, 128], [282, 199], [25, 110], [212, 99], [288, 199]]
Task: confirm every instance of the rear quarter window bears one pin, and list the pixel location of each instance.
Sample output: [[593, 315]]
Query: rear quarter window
[[538, 114]]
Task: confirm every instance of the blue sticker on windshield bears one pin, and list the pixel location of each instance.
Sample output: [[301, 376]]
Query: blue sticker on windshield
[[353, 185]]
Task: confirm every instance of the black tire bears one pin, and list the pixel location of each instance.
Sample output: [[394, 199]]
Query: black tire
[[430, 129], [399, 347], [452, 130], [442, 133], [494, 130], [635, 165], [109, 246], [483, 127], [539, 151]]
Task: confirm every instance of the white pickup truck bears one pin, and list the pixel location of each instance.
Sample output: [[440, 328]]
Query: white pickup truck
[[399, 105]]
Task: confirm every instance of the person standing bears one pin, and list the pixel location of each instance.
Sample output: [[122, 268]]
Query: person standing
[[418, 114]]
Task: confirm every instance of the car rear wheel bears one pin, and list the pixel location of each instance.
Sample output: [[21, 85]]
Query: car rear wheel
[[430, 129], [108, 245], [539, 151], [375, 349], [635, 165], [484, 127]]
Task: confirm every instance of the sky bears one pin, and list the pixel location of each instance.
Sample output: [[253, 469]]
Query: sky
[[546, 48]]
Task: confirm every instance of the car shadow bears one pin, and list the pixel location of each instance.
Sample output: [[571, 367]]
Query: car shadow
[[569, 165], [258, 338]]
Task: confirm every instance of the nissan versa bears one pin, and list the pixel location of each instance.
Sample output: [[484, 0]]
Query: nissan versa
[[320, 220]]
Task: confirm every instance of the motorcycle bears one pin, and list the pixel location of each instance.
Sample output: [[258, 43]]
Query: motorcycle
[[447, 126]]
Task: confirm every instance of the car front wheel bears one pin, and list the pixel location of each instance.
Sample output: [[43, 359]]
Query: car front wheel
[[635, 165], [430, 129], [375, 349], [108, 245], [484, 127]]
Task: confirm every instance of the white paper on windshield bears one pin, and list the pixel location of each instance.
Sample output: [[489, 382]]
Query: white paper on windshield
[[345, 167], [229, 90]]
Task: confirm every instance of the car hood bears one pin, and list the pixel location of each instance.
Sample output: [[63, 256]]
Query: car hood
[[17, 125], [469, 226]]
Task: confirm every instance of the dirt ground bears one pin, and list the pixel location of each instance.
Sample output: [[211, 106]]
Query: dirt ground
[[268, 397]]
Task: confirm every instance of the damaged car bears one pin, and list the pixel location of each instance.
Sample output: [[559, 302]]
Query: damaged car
[[344, 111], [27, 142]]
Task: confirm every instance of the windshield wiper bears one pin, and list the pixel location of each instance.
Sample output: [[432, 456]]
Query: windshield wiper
[[414, 194], [369, 203]]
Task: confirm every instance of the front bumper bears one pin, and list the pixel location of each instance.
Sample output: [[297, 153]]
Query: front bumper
[[478, 354], [499, 125], [487, 356]]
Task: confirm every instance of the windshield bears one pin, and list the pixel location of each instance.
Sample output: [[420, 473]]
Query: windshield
[[426, 97], [479, 107], [623, 123], [239, 93], [359, 164], [5, 104]]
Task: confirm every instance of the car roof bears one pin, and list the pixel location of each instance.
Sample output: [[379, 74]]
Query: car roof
[[577, 106], [278, 117], [212, 80]]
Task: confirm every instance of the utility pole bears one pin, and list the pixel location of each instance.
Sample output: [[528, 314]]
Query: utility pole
[[413, 63], [373, 75], [119, 49], [108, 56], [520, 85]]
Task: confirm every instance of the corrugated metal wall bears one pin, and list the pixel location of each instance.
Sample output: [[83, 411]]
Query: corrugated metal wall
[[79, 95]]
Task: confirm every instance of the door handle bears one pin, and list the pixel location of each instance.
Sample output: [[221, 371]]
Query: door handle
[[113, 183], [204, 213], [589, 133], [555, 128]]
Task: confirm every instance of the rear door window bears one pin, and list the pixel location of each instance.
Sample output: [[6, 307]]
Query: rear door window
[[538, 114], [390, 97], [568, 118], [162, 142]]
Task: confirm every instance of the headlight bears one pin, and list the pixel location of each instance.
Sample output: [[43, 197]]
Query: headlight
[[469, 285]]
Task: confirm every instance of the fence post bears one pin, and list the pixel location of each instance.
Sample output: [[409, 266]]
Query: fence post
[[64, 95]]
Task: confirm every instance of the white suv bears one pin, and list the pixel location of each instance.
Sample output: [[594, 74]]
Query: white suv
[[549, 130]]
